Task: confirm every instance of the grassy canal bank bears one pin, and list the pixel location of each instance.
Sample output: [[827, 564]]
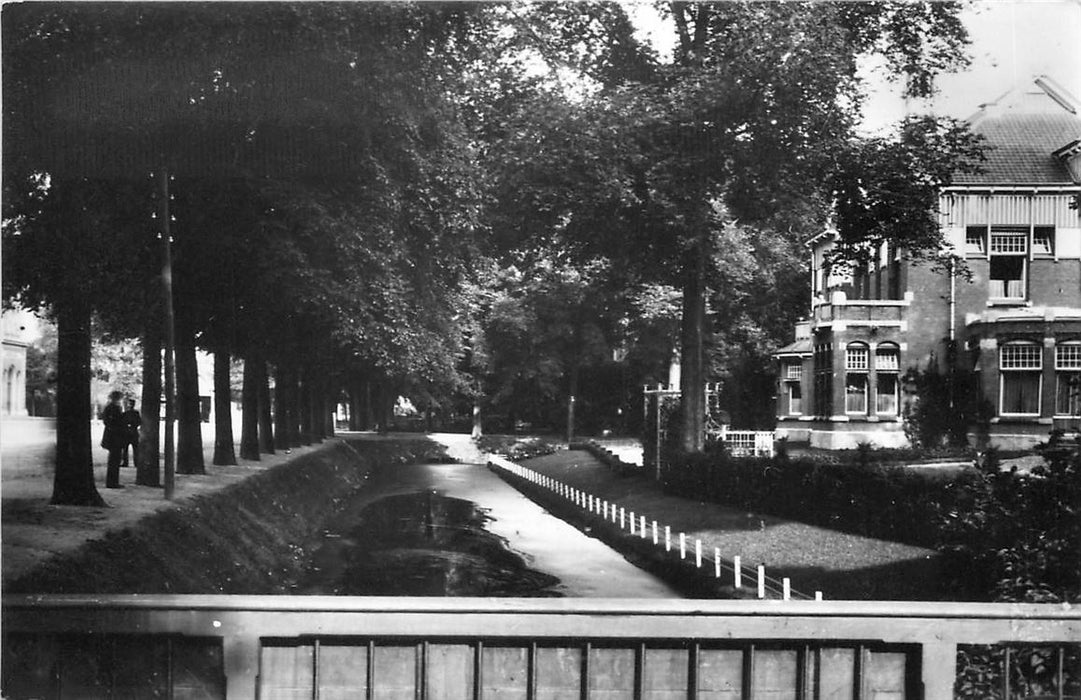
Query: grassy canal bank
[[250, 537]]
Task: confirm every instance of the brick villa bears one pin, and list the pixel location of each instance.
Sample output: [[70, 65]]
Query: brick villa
[[1016, 320]]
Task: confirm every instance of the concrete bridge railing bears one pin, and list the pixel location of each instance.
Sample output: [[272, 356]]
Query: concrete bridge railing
[[462, 649]]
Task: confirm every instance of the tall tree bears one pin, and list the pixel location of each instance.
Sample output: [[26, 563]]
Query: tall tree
[[744, 125]]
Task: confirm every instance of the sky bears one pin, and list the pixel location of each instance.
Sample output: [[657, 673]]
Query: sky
[[1012, 42]]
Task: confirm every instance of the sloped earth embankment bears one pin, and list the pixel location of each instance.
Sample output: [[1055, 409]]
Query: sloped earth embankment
[[258, 536]]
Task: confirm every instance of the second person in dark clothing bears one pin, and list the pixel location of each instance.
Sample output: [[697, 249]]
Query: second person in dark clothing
[[132, 421], [114, 439]]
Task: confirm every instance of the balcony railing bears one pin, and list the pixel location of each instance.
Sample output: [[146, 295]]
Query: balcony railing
[[461, 649], [886, 312]]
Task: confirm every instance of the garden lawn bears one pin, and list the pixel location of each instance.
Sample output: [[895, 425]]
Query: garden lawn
[[841, 565]]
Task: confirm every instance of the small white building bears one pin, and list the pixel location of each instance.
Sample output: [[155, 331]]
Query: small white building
[[19, 329]]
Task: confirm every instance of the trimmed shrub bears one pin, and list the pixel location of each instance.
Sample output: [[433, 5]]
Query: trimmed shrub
[[875, 501]]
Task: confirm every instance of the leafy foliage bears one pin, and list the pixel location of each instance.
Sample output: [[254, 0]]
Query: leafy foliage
[[945, 406], [1016, 536], [875, 501], [517, 448]]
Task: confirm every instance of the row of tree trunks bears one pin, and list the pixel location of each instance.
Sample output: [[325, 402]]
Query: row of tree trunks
[[309, 404], [370, 405]]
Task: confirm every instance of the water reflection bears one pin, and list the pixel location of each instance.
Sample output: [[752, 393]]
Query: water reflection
[[420, 544]]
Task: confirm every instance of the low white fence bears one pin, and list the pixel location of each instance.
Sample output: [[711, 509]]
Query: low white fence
[[748, 443], [678, 543]]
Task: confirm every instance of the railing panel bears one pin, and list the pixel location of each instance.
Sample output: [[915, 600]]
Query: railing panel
[[665, 674], [836, 672], [450, 669], [720, 674], [611, 673], [395, 672], [343, 671], [559, 673], [506, 672], [287, 672], [884, 678], [775, 674]]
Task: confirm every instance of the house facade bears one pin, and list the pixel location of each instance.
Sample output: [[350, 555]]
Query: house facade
[[1014, 319]]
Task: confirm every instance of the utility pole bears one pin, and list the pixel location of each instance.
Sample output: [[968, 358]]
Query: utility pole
[[170, 335]]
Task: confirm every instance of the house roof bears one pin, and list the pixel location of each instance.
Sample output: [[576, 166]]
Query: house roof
[[800, 347], [1023, 129]]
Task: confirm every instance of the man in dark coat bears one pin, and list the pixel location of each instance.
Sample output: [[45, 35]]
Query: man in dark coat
[[113, 439], [132, 421]]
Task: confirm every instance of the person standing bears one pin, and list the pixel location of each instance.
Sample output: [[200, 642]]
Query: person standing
[[113, 439], [132, 421]]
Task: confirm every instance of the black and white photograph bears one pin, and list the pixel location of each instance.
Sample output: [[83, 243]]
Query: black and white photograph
[[540, 350]]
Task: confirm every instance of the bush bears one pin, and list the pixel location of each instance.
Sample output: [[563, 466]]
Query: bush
[[517, 448], [1016, 536], [875, 501]]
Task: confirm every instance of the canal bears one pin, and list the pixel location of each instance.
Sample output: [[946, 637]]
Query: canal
[[459, 530]]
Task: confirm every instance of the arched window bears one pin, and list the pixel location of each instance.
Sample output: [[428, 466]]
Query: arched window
[[1021, 369], [887, 390], [857, 365]]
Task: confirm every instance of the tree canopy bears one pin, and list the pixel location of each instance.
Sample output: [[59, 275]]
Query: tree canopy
[[459, 197]]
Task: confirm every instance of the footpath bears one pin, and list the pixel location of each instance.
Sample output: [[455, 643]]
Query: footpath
[[841, 565]]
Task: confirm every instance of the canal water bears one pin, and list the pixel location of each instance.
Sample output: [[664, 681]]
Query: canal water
[[460, 530]]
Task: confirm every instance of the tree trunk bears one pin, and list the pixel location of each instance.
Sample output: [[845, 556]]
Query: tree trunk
[[292, 398], [354, 406], [281, 410], [224, 452], [572, 398], [316, 403], [189, 442], [73, 480], [249, 403], [369, 420], [304, 405], [478, 423], [148, 466], [266, 418], [330, 409], [692, 382]]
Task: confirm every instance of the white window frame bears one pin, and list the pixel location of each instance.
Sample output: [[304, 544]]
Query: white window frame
[[1031, 361], [890, 369], [791, 389], [1043, 241], [1067, 364], [858, 364], [1012, 242], [857, 358], [976, 245]]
